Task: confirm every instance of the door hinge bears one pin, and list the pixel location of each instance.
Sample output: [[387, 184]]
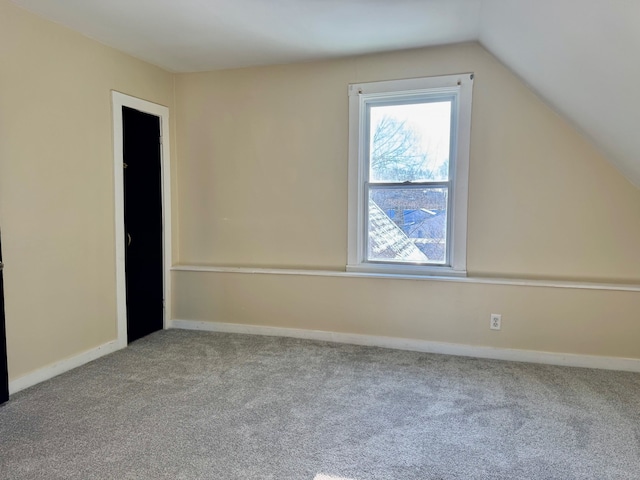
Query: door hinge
[[160, 139]]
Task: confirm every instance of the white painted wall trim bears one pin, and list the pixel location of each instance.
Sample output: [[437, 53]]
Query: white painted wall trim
[[514, 355], [62, 366], [118, 101], [481, 280]]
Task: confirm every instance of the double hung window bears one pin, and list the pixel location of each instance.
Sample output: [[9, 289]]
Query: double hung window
[[408, 175]]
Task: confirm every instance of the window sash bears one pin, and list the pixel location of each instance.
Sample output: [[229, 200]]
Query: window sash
[[404, 186], [413, 98]]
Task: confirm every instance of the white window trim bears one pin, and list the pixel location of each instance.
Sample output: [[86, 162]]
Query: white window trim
[[358, 96]]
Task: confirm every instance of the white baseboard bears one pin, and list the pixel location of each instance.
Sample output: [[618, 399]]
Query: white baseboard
[[529, 356], [62, 366]]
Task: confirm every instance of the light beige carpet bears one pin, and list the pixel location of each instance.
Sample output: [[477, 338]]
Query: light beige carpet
[[192, 405]]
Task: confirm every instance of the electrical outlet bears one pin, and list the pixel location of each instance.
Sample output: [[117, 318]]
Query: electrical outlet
[[496, 321]]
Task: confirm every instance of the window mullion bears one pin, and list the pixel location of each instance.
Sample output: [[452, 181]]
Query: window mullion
[[440, 184]]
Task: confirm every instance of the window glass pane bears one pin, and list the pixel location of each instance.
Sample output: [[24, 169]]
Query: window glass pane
[[407, 225], [409, 142]]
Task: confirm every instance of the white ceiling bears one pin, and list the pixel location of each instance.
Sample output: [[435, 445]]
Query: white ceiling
[[580, 55], [202, 35]]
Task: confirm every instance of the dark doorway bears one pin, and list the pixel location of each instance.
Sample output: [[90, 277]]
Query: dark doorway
[[4, 375], [142, 222]]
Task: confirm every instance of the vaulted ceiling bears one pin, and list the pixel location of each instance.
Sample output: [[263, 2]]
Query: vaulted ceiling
[[581, 56]]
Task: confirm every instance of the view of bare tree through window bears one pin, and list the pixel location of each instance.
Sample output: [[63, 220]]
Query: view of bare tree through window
[[408, 175]]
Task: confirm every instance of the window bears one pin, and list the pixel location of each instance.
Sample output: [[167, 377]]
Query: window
[[408, 175]]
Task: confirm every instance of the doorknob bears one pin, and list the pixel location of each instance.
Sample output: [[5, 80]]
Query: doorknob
[[128, 239]]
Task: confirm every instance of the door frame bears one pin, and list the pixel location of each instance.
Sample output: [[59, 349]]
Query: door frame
[[120, 100]]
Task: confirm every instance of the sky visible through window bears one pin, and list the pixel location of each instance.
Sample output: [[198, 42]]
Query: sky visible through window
[[420, 132]]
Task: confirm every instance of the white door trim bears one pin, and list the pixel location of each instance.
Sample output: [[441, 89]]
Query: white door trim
[[120, 100]]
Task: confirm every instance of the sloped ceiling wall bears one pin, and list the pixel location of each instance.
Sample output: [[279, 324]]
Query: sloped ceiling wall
[[582, 57]]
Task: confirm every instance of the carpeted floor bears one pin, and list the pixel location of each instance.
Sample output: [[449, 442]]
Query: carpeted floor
[[193, 405]]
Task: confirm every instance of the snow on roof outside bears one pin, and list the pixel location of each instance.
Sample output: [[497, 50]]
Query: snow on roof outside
[[388, 241]]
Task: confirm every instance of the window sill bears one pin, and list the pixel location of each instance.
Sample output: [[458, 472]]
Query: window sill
[[406, 270]]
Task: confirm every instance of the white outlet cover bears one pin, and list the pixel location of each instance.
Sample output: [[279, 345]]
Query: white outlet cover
[[496, 321]]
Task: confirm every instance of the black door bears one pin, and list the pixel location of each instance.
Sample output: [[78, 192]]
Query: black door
[[142, 222], [4, 377]]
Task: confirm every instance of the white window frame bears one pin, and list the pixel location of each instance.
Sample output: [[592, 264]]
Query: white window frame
[[363, 94]]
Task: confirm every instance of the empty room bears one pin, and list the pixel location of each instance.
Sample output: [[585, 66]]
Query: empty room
[[319, 239]]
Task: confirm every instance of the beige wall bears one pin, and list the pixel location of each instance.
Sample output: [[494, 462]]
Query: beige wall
[[56, 185], [543, 203], [263, 183], [591, 322]]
